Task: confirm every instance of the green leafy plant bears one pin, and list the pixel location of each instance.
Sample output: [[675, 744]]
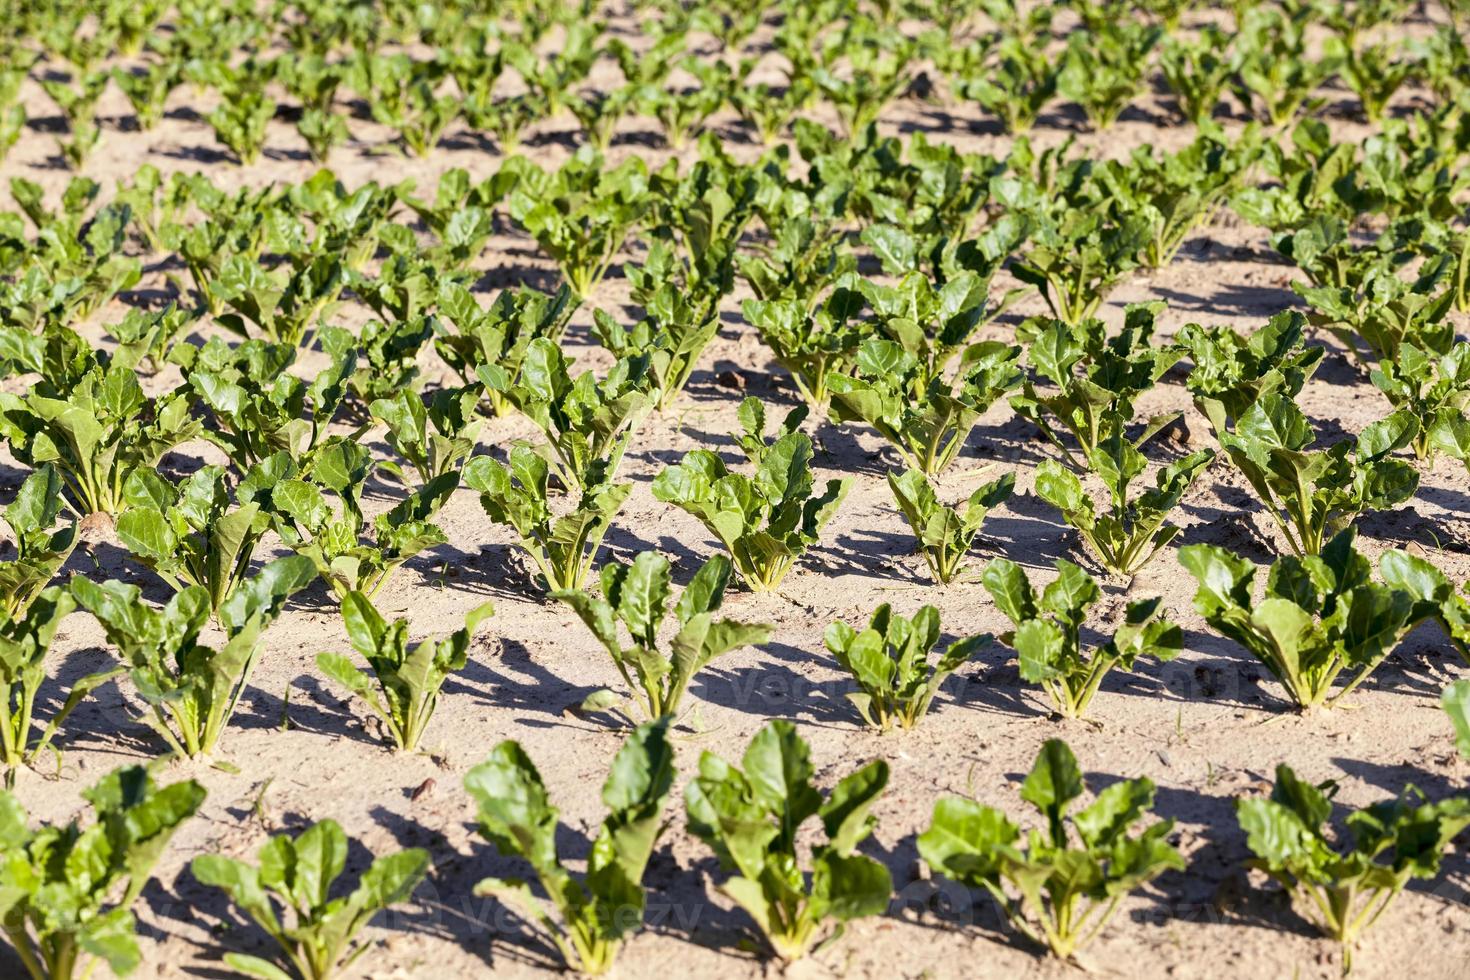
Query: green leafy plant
[[944, 533], [1133, 530], [812, 346], [1017, 86], [188, 533], [1435, 597], [1433, 389], [890, 660], [1321, 615], [1231, 371], [580, 214], [40, 547], [1065, 895], [334, 536], [563, 546], [432, 439], [1080, 249], [599, 911], [490, 344], [1342, 886], [298, 875], [259, 408], [241, 119], [62, 923], [588, 423], [1097, 379], [750, 818], [1455, 699], [96, 433], [670, 337], [1197, 70], [1048, 634], [1311, 494], [191, 690], [765, 521], [637, 595], [925, 417], [1374, 312], [408, 680], [1104, 69], [25, 640]]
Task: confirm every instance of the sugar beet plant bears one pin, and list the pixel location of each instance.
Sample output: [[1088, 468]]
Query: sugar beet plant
[[1311, 494], [601, 909], [41, 548], [588, 423], [1096, 379], [61, 923], [408, 680], [765, 521], [890, 660], [1048, 632], [926, 417], [1344, 885], [191, 690], [1322, 614], [1133, 530], [1061, 895], [299, 875], [750, 817], [637, 595], [563, 545], [946, 533]]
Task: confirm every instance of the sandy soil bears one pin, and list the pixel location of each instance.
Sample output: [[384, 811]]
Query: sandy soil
[[1207, 728]]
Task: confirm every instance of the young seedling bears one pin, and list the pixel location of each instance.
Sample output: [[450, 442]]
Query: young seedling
[[1232, 372], [945, 533], [408, 681], [767, 521], [298, 875], [1132, 531], [432, 439], [188, 533], [588, 423], [1104, 69], [1342, 886], [1097, 379], [926, 417], [489, 345], [563, 546], [25, 640], [1455, 699], [890, 660], [1435, 597], [670, 338], [191, 690], [1061, 896], [40, 547], [1048, 634], [811, 346], [1433, 389], [257, 406], [637, 596], [1312, 494], [750, 818], [62, 922], [580, 214], [96, 433], [1321, 615], [333, 537], [599, 911]]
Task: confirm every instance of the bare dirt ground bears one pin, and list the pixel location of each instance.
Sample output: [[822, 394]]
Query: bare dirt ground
[[1207, 728]]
